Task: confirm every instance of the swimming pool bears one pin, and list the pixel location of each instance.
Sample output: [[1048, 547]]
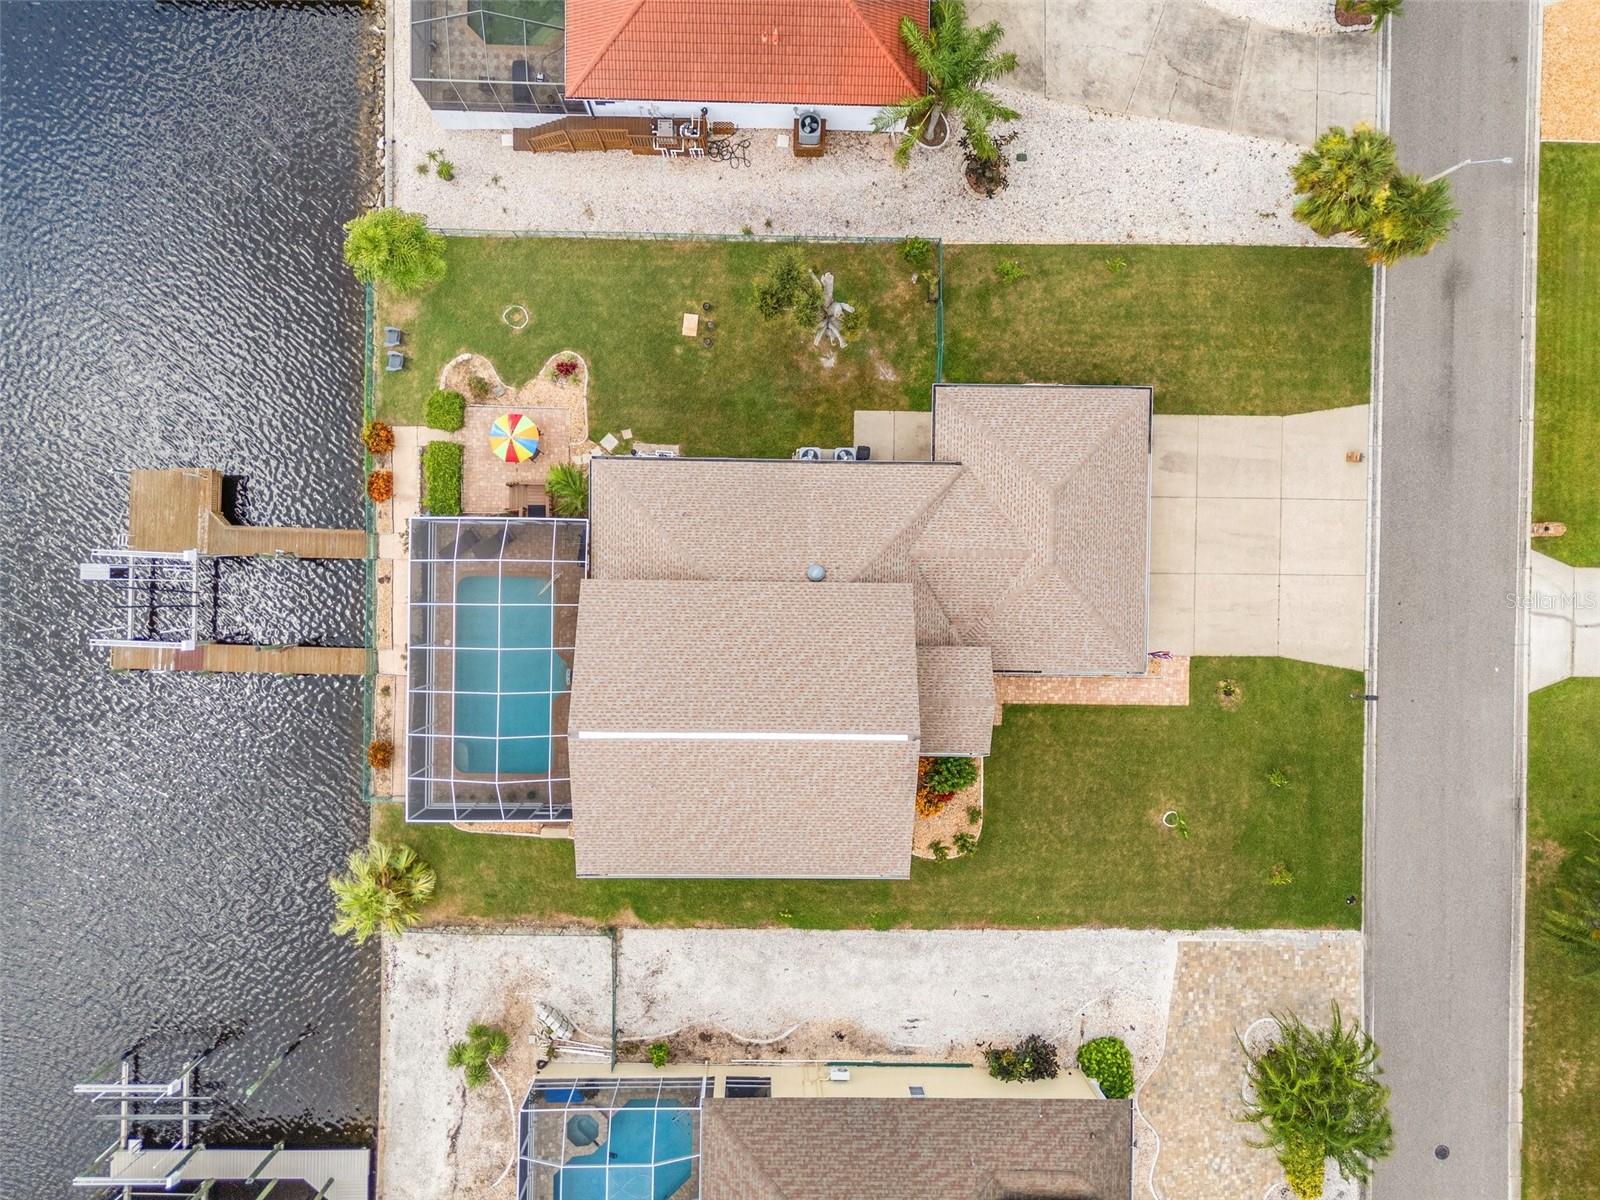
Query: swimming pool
[[636, 1161], [506, 675]]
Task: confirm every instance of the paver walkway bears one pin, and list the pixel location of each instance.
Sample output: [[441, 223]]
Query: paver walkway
[[1258, 531], [1184, 60]]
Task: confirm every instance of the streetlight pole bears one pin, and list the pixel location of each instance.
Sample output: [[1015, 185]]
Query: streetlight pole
[[1467, 162]]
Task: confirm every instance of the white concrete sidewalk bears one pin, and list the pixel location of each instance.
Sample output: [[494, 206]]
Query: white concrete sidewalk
[[1258, 533]]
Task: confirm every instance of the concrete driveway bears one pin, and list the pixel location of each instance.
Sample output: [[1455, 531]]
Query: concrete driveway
[[1184, 60], [1258, 534], [1563, 622]]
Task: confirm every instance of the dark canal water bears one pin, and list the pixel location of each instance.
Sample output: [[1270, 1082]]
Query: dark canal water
[[171, 293]]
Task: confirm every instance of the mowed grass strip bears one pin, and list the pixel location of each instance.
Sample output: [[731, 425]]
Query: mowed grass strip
[[762, 389], [1251, 330], [1072, 831], [1561, 1068], [1566, 431]]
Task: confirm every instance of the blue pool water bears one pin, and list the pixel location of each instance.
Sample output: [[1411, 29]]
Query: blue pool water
[[641, 1135], [504, 655]]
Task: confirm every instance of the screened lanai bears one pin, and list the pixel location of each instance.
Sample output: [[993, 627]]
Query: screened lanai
[[490, 55], [611, 1139], [494, 613]]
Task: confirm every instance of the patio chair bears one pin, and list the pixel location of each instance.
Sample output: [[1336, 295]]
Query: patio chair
[[396, 361], [391, 336]]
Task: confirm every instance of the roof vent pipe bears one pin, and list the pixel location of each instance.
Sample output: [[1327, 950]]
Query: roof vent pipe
[[816, 572]]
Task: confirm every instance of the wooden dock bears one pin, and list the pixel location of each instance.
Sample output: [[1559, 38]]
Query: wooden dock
[[181, 509], [230, 659]]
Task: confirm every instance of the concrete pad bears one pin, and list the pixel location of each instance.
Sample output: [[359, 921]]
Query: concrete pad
[[1550, 639], [1347, 109], [1172, 534], [1322, 619], [1024, 23], [1240, 456], [1196, 102], [1314, 449], [1174, 453], [913, 436], [875, 430], [1172, 613], [1277, 88], [1586, 621], [1095, 49], [1324, 537], [1347, 63], [1554, 586], [1586, 651], [1236, 614], [1236, 536], [1201, 42]]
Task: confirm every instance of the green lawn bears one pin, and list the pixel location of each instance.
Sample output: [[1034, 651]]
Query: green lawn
[[760, 390], [1561, 1067], [1566, 436], [1072, 832], [1214, 329]]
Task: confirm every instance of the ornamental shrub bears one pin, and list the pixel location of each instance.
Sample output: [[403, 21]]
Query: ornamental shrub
[[566, 368], [377, 437], [568, 489], [445, 410], [1302, 1170], [380, 754], [1030, 1059], [660, 1054], [380, 486], [787, 286], [1108, 1062], [479, 387], [918, 252], [949, 774], [484, 1044], [441, 478]]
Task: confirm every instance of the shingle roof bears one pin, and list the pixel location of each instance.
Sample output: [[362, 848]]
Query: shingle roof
[[737, 728], [1028, 537], [767, 51], [822, 1148], [955, 699]]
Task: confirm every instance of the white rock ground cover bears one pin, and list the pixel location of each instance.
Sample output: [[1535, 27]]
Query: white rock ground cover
[[745, 994]]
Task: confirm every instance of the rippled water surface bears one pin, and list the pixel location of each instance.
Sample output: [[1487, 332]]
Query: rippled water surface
[[170, 294]]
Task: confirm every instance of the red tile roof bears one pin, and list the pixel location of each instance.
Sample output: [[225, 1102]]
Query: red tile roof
[[741, 51]]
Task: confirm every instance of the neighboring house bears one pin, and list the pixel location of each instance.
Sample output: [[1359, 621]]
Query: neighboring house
[[757, 64], [790, 1131], [761, 650]]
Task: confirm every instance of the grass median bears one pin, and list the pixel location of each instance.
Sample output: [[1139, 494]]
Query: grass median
[[1072, 830]]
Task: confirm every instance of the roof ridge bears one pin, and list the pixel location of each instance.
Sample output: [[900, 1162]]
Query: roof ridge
[[891, 52], [922, 513], [628, 15], [730, 1131]]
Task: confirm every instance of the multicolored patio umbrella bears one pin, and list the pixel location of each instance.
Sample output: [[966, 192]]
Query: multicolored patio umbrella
[[514, 438]]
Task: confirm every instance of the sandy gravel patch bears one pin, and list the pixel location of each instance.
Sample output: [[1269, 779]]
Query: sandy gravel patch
[[1301, 16], [1569, 105]]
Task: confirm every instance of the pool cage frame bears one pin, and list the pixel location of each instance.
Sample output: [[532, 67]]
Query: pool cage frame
[[543, 1125], [504, 77], [444, 551]]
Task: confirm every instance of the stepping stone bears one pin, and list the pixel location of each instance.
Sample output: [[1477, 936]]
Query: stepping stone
[[627, 435], [609, 442], [691, 324]]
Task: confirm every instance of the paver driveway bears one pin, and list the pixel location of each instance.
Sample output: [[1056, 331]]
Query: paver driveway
[[1258, 534], [1186, 61]]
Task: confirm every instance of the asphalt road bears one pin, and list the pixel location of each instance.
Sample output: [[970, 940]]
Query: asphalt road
[[1445, 815]]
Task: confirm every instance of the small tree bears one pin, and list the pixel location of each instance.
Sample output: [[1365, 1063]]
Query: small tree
[[958, 60], [787, 286], [569, 490], [1316, 1095], [1412, 219], [394, 247], [382, 890], [485, 1045], [1343, 178], [1576, 924]]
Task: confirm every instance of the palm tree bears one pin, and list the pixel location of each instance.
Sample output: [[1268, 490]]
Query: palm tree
[[382, 890], [569, 491], [394, 247], [476, 1056], [1576, 925], [1412, 219], [958, 60], [1318, 1089], [1343, 177]]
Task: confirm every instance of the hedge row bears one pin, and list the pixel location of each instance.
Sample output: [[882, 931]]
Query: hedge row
[[445, 410], [441, 478]]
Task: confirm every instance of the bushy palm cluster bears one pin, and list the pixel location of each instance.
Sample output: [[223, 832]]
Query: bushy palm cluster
[[1576, 924], [1350, 182], [1316, 1094], [394, 247], [958, 60], [569, 490], [484, 1044], [381, 890]]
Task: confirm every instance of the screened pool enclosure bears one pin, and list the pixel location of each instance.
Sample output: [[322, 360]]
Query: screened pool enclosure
[[494, 612], [611, 1139], [491, 55]]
